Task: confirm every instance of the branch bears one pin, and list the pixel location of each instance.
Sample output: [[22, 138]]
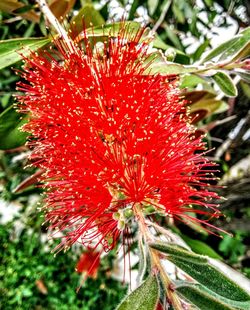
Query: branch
[[162, 16], [55, 23], [173, 298]]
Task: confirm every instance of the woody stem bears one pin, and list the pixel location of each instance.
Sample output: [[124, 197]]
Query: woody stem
[[156, 261], [55, 23]]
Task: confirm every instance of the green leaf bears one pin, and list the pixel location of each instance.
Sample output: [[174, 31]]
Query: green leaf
[[152, 6], [114, 29], [242, 53], [232, 247], [10, 50], [178, 13], [246, 88], [23, 9], [132, 27], [210, 105], [244, 75], [87, 15], [219, 50], [134, 6], [145, 297], [172, 36], [200, 50], [200, 247], [159, 43], [231, 47], [191, 80], [10, 135], [240, 47], [205, 299], [168, 68], [225, 83], [209, 3], [200, 269], [178, 251], [202, 300], [180, 56]]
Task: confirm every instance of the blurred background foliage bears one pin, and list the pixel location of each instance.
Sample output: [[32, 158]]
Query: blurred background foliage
[[30, 276]]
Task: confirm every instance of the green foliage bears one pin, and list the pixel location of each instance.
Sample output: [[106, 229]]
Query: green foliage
[[205, 299], [13, 50], [232, 247], [89, 15], [32, 278], [145, 297], [202, 270], [26, 262], [10, 134], [200, 247], [225, 83], [229, 48]]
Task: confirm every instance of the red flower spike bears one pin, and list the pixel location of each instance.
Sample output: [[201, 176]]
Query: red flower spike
[[109, 137], [89, 263]]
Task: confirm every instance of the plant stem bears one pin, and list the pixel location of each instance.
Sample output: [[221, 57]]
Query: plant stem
[[156, 261], [55, 23], [162, 17]]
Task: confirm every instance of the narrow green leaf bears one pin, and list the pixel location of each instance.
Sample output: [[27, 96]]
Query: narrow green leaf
[[172, 36], [242, 53], [87, 15], [200, 50], [10, 50], [114, 29], [209, 3], [142, 261], [178, 251], [220, 49], [145, 297], [225, 83], [200, 247], [134, 6], [180, 56], [200, 269], [10, 135], [246, 87], [202, 300], [152, 6], [244, 75], [159, 43], [178, 13], [23, 9], [191, 80], [239, 45], [170, 68], [199, 293]]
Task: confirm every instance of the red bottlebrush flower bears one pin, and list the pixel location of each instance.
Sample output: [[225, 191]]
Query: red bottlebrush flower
[[108, 137], [89, 263]]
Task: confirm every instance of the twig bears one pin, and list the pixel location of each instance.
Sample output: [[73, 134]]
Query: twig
[[168, 234], [218, 123], [234, 136], [162, 16], [156, 261], [55, 23]]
